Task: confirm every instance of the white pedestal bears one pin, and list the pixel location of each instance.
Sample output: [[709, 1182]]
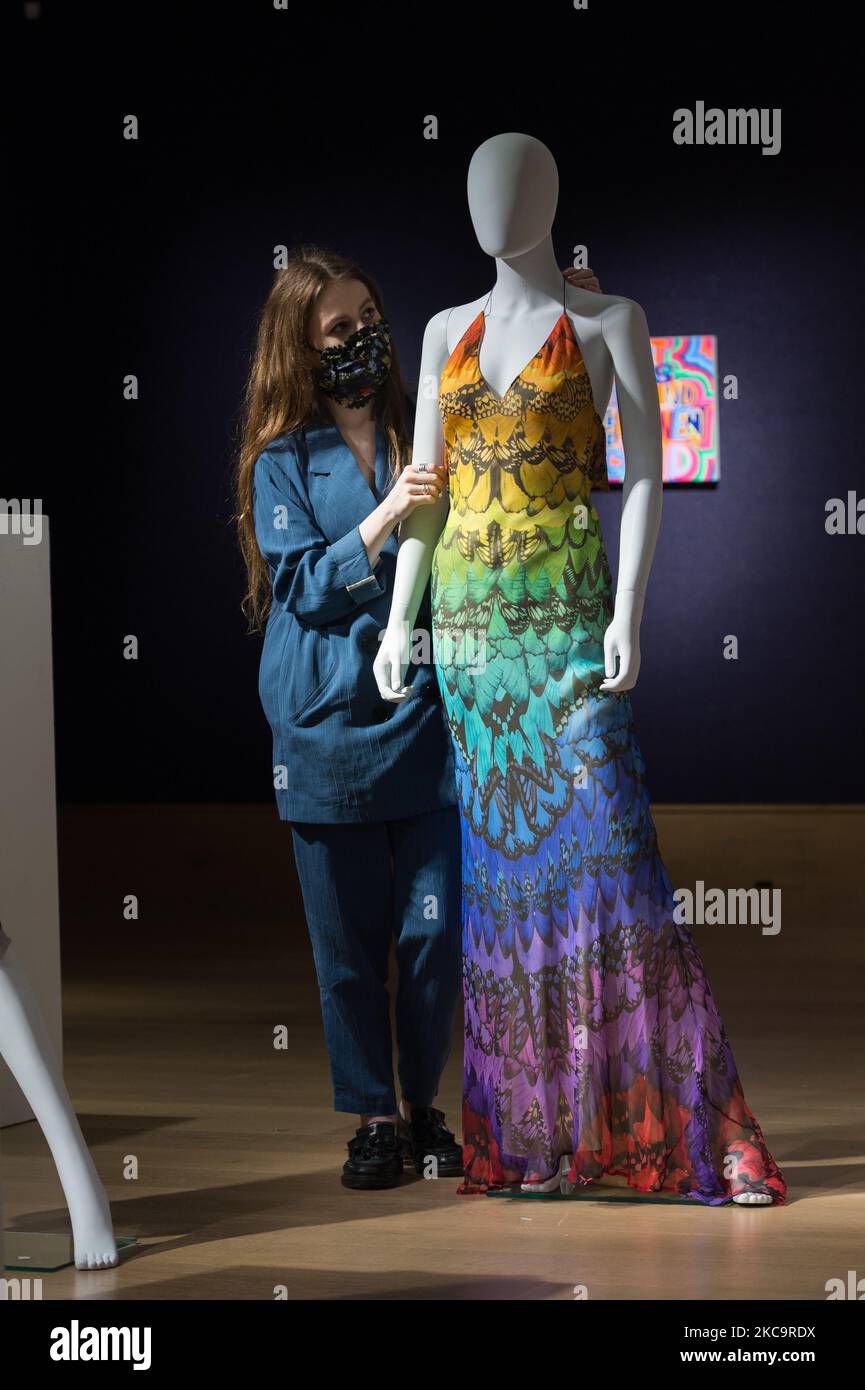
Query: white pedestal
[[29, 901]]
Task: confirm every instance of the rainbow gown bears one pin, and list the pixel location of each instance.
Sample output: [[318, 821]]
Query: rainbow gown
[[590, 1027]]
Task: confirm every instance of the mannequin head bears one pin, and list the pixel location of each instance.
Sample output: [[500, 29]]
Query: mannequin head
[[513, 189]]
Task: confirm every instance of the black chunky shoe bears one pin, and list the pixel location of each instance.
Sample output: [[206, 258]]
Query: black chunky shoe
[[374, 1156], [426, 1136]]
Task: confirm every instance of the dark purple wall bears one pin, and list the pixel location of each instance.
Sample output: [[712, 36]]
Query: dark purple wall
[[153, 258]]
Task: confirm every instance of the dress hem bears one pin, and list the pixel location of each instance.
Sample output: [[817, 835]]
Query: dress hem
[[581, 1184]]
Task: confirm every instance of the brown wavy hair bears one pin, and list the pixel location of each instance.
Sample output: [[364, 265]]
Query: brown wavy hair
[[281, 393]]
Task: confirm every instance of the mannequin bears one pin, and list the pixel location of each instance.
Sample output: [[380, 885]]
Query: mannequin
[[26, 1048], [512, 195], [513, 191]]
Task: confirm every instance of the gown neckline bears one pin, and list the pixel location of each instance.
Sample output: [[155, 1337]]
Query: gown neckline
[[544, 345]]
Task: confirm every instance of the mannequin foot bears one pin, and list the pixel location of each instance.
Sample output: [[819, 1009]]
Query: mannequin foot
[[92, 1232], [536, 1182], [751, 1199]]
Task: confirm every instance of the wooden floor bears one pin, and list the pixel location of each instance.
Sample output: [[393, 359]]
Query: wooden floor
[[169, 1059]]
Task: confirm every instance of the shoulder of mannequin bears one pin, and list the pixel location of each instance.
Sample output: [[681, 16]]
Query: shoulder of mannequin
[[612, 308], [592, 304], [438, 323]]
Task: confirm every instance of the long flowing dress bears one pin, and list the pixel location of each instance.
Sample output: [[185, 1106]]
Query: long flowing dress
[[590, 1027]]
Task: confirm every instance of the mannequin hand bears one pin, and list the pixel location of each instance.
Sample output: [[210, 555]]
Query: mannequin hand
[[416, 487], [584, 279], [622, 643], [391, 664]]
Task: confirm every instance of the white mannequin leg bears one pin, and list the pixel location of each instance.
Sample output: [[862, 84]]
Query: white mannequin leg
[[26, 1047]]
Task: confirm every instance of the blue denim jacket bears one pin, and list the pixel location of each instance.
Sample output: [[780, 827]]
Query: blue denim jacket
[[340, 752]]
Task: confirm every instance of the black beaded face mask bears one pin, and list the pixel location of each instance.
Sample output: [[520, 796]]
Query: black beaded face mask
[[351, 373]]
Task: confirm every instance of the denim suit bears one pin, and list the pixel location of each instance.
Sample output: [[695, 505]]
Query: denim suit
[[347, 754], [368, 785]]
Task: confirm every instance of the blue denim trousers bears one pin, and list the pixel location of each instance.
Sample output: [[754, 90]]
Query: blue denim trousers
[[363, 884]]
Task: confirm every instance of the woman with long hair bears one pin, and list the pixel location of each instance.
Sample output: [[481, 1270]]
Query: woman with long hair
[[323, 479]]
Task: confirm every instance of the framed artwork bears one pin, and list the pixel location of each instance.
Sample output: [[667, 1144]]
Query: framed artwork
[[686, 369]]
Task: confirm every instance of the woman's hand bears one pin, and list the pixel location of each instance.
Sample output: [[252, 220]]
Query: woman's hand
[[416, 487], [583, 277]]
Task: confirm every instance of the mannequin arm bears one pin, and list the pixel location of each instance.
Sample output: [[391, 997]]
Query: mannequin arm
[[626, 334], [420, 530], [418, 536]]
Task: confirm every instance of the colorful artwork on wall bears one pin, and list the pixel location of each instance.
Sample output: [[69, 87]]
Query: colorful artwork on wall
[[686, 369]]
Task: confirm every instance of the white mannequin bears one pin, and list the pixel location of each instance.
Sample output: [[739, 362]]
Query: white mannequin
[[513, 188], [26, 1048]]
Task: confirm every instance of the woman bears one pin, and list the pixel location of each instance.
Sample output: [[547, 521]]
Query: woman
[[323, 480]]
